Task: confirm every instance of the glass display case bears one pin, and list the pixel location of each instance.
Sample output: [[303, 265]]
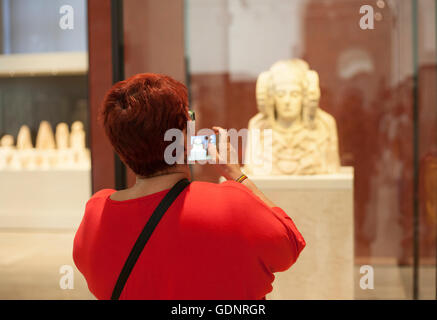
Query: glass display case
[[45, 174], [377, 68], [43, 111]]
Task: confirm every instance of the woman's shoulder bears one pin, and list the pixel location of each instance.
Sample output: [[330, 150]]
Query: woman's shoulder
[[225, 186], [229, 191], [234, 188], [95, 205], [101, 195]]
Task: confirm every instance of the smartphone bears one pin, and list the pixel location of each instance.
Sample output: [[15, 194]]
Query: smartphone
[[199, 147]]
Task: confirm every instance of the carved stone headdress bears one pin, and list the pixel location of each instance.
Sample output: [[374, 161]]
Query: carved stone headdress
[[283, 71]]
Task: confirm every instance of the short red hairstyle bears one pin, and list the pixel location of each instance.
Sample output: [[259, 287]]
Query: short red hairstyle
[[137, 112]]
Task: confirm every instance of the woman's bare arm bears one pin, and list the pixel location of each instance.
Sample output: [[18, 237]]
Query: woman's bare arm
[[232, 171]]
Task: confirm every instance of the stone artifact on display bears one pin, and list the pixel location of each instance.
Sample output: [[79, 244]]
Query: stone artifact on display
[[304, 137], [61, 150]]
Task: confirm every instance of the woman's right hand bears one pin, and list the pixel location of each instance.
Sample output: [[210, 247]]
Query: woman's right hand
[[226, 161]]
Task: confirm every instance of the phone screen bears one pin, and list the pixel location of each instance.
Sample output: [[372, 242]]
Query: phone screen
[[199, 147]]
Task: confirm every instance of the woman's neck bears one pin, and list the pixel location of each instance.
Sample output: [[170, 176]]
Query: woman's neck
[[150, 185], [161, 180]]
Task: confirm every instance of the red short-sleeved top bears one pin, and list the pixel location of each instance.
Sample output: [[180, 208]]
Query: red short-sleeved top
[[216, 241]]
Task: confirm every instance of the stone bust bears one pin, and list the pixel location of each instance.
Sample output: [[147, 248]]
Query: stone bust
[[304, 137]]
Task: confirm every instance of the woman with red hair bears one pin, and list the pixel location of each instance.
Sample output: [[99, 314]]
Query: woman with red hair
[[213, 241]]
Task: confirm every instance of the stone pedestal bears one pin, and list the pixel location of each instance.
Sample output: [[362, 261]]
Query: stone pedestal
[[47, 199], [322, 208]]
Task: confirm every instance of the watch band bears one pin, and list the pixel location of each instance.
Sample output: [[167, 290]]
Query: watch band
[[241, 178]]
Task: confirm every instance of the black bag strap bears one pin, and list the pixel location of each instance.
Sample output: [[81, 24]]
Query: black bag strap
[[150, 226]]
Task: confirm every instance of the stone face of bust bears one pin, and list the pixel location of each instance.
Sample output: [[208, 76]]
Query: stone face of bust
[[288, 101], [288, 91]]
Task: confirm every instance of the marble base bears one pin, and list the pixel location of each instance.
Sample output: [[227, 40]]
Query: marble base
[[322, 208], [43, 199]]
